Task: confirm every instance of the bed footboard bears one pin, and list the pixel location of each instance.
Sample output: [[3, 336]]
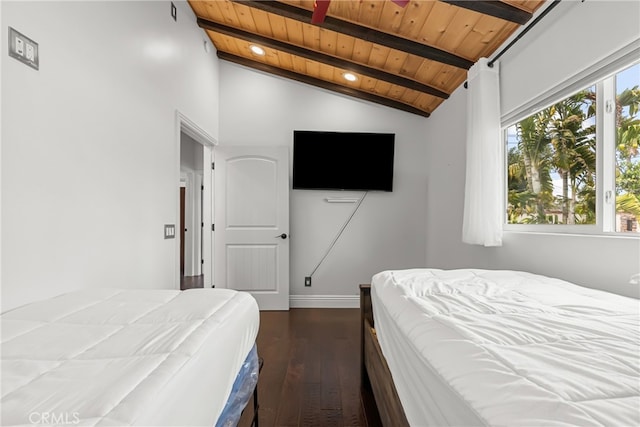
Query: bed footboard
[[374, 369]]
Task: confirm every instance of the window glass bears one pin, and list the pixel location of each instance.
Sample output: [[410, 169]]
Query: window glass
[[551, 158], [628, 150]]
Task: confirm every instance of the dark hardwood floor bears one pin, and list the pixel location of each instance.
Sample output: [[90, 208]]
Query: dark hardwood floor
[[189, 282], [311, 373]]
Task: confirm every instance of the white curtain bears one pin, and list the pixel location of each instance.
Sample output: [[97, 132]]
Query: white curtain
[[483, 196]]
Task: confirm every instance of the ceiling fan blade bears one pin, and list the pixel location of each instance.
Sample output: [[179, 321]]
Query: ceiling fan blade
[[320, 8]]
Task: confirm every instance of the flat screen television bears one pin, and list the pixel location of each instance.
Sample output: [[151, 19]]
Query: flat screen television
[[342, 160]]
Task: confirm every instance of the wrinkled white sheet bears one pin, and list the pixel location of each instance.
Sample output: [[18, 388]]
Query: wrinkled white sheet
[[507, 348], [112, 358]]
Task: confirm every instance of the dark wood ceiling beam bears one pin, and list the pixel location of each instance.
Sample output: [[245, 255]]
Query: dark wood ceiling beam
[[497, 9], [355, 93], [358, 31], [320, 57]]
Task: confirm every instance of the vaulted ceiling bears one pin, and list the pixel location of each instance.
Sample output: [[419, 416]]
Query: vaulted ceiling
[[409, 55]]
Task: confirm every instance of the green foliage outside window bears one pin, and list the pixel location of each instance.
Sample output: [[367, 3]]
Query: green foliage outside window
[[628, 152], [557, 141], [558, 146]]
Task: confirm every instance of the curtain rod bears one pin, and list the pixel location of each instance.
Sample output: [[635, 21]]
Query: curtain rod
[[522, 33]]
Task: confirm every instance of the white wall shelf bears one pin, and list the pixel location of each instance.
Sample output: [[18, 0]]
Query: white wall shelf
[[342, 199]]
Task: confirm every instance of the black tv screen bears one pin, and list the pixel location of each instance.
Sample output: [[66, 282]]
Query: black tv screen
[[342, 160]]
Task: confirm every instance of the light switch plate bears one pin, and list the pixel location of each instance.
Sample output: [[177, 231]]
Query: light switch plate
[[169, 231], [23, 49]]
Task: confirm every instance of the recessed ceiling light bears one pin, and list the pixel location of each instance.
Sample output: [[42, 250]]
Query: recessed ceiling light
[[257, 50], [350, 77]]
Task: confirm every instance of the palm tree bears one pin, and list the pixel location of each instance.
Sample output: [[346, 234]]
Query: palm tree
[[533, 164], [628, 147], [628, 203], [573, 150]]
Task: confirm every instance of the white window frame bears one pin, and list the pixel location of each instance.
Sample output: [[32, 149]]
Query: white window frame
[[606, 155], [605, 152]]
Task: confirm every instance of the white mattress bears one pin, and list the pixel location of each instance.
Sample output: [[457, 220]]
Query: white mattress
[[506, 348], [113, 358]]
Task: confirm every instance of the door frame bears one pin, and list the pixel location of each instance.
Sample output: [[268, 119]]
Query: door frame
[[185, 125], [182, 221]]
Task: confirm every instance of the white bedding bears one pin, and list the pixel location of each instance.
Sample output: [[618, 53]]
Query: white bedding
[[506, 348], [113, 358]]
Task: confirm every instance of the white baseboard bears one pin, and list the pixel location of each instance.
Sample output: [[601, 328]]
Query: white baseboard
[[324, 301]]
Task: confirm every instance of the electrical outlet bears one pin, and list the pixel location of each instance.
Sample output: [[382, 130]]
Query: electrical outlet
[[174, 12], [307, 281], [23, 49]]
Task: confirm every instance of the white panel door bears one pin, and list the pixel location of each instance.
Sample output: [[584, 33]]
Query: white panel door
[[251, 211]]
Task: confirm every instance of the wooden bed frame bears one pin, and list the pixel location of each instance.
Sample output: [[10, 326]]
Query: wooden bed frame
[[374, 371]]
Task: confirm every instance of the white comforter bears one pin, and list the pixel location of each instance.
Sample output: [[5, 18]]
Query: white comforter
[[505, 348], [112, 357]]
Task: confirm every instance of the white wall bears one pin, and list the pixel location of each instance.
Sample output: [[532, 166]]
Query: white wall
[[445, 166], [190, 154], [597, 262], [89, 153], [388, 230], [594, 261], [2, 42]]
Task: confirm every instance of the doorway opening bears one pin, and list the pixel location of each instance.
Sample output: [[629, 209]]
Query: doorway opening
[[190, 231], [195, 206]]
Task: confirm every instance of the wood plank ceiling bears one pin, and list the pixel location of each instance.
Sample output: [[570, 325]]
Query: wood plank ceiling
[[410, 58]]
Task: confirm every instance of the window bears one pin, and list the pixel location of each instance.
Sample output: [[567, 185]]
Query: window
[[627, 147], [552, 164], [577, 162]]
